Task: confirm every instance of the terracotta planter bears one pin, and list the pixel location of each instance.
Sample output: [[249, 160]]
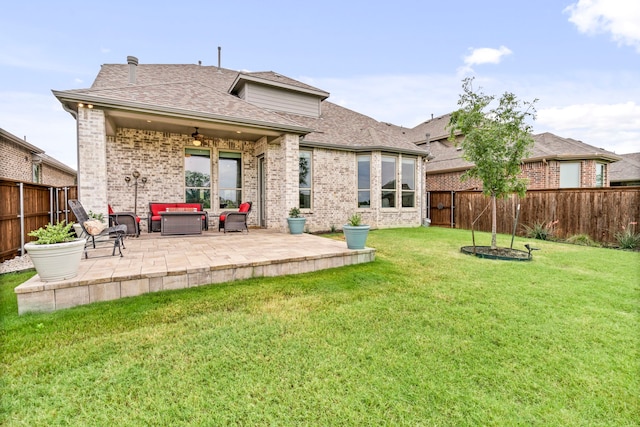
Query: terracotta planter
[[58, 261]]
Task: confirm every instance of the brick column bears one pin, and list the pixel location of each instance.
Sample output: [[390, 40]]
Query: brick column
[[92, 160]]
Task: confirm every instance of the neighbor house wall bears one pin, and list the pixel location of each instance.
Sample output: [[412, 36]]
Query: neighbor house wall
[[16, 161], [540, 175], [55, 177]]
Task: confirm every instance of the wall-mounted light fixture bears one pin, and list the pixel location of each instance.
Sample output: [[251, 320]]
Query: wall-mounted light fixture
[[143, 181], [197, 138]]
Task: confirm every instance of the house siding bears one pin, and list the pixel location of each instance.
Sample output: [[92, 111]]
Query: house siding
[[277, 99]]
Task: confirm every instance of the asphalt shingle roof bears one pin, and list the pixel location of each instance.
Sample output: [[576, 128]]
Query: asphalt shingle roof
[[206, 91], [627, 169]]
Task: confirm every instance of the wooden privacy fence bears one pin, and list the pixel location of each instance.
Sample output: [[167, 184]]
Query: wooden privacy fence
[[597, 212], [26, 206]]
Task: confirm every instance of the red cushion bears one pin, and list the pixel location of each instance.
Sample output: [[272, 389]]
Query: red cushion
[[156, 208], [110, 210], [244, 207], [222, 217]]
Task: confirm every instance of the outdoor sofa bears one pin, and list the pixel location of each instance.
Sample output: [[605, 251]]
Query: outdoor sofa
[[154, 217]]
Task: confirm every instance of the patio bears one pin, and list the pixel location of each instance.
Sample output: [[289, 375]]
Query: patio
[[153, 263]]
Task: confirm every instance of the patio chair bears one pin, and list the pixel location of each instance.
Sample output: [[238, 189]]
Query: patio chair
[[131, 220], [235, 220], [114, 234]]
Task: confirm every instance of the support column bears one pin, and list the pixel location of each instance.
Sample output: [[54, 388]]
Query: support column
[[92, 160]]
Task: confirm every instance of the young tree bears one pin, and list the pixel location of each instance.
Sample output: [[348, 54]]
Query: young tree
[[495, 140]]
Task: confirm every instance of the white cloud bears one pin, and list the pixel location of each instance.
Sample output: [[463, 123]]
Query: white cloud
[[599, 115], [42, 120], [614, 127], [483, 55], [404, 100], [621, 18]]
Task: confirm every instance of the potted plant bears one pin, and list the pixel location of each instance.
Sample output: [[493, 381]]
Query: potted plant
[[56, 253], [295, 221], [355, 232]]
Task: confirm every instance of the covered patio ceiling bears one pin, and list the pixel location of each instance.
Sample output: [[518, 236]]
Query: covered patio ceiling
[[185, 125]]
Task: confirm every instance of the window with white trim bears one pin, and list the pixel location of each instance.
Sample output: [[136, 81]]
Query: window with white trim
[[389, 179], [364, 181], [230, 179], [305, 179], [408, 182], [599, 174], [570, 175], [197, 176]]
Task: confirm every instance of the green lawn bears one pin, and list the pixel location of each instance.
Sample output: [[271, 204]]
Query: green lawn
[[425, 335]]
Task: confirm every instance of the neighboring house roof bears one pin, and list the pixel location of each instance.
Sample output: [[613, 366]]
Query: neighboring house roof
[[627, 169], [37, 153], [547, 146], [20, 142], [208, 93]]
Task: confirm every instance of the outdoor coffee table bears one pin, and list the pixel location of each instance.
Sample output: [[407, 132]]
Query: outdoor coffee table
[[173, 223]]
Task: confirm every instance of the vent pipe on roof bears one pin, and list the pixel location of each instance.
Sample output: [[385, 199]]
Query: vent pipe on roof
[[219, 56], [133, 63]]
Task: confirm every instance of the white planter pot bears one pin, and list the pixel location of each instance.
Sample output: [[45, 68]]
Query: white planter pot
[[58, 261]]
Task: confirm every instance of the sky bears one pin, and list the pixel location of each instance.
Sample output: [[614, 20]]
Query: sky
[[398, 61]]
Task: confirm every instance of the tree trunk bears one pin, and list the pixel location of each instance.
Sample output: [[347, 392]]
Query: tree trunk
[[494, 223]]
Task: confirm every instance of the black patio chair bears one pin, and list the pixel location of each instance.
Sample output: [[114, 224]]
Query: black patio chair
[[131, 220], [109, 235]]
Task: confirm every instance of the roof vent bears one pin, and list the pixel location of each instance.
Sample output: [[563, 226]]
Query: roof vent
[[133, 64]]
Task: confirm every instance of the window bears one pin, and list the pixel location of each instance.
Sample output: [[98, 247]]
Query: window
[[388, 182], [364, 181], [230, 178], [599, 174], [197, 176], [408, 183], [569, 175], [305, 179], [36, 173]]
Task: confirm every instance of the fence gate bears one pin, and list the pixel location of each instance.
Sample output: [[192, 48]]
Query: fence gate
[[441, 208]]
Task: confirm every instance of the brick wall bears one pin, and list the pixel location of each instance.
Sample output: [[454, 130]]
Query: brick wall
[[17, 164], [541, 175], [159, 157], [92, 161], [16, 161], [55, 177]]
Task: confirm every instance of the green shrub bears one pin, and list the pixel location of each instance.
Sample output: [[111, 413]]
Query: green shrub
[[51, 234], [540, 230], [628, 238], [355, 220], [582, 240], [294, 212]]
